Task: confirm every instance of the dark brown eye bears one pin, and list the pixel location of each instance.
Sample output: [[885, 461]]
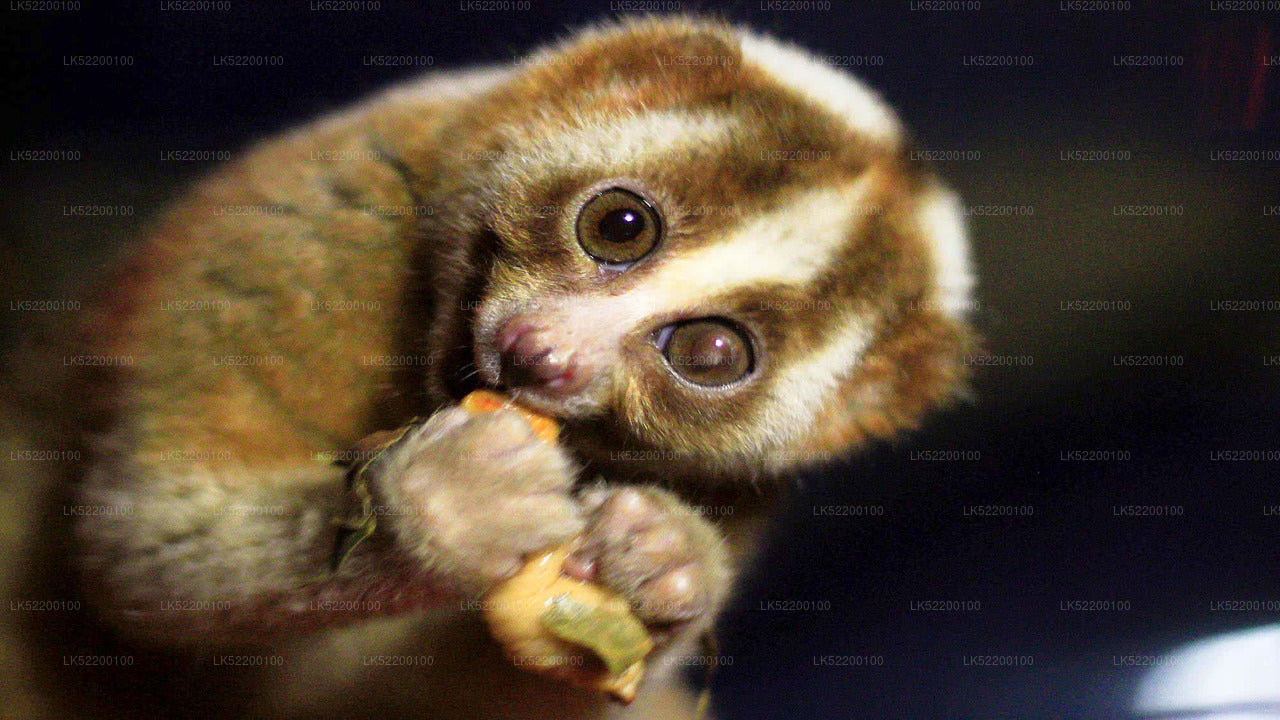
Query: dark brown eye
[[618, 226], [706, 352]]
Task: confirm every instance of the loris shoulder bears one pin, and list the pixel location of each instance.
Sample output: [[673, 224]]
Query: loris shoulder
[[711, 257]]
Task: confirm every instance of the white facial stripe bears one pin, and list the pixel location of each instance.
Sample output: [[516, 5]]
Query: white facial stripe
[[618, 144], [801, 390], [834, 90], [790, 245], [943, 226]]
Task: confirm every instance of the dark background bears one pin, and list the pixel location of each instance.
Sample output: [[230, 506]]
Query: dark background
[[921, 541]]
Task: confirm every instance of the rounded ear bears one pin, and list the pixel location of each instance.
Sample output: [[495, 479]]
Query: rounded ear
[[914, 366]]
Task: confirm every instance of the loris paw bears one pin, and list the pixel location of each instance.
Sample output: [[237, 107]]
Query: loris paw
[[651, 548], [471, 495]]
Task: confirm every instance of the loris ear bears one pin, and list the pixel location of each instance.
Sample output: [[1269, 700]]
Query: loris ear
[[914, 366]]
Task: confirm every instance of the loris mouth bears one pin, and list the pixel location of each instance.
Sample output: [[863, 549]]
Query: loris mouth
[[515, 353], [489, 370]]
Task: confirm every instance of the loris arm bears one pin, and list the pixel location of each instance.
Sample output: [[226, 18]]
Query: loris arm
[[182, 552], [183, 555], [246, 327]]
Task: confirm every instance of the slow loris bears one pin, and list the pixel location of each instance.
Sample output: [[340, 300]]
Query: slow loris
[[710, 256]]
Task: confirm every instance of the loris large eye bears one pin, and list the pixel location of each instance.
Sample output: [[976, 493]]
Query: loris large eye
[[618, 226], [706, 352]]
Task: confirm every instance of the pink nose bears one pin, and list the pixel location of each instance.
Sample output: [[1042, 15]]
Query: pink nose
[[531, 360]]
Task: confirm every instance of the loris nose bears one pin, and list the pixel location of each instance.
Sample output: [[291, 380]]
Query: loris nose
[[530, 359]]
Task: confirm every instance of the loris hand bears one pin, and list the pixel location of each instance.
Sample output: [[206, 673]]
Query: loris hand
[[470, 495], [652, 549]]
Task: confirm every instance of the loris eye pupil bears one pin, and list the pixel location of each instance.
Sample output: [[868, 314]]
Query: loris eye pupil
[[620, 226], [710, 351], [707, 352]]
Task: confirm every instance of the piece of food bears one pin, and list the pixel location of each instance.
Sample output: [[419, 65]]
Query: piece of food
[[568, 628], [482, 401], [557, 625]]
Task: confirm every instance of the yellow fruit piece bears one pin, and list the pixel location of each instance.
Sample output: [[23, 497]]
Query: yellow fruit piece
[[483, 401], [545, 621]]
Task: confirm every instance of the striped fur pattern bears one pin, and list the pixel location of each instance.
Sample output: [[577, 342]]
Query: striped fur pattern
[[791, 206]]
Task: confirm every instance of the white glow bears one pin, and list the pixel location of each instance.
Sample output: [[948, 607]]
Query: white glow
[[1227, 676]]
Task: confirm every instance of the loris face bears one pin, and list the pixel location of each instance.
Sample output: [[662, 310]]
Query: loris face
[[710, 245]]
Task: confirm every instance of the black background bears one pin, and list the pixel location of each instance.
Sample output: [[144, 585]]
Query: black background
[[1012, 125]]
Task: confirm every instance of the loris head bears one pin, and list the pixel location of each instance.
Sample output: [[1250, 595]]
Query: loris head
[[708, 246]]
